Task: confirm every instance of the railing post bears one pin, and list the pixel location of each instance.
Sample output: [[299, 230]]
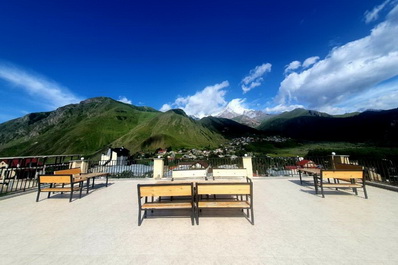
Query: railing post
[[247, 163], [158, 165]]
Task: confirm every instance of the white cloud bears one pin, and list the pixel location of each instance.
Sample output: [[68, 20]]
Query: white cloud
[[255, 77], [238, 106], [292, 66], [44, 91], [165, 107], [203, 103], [310, 61], [125, 100], [347, 71], [282, 108], [373, 15]]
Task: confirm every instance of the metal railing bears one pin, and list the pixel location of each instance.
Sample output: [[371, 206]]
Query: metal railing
[[19, 179], [377, 170], [124, 169], [274, 166]]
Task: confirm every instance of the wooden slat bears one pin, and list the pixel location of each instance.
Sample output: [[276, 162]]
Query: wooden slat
[[167, 190], [223, 189], [220, 204], [54, 179], [59, 189], [341, 185], [167, 205], [71, 171], [342, 174], [316, 171]]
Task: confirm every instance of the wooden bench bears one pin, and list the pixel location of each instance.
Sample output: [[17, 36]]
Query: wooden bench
[[352, 179], [157, 192], [76, 172], [73, 171], [48, 183], [228, 195]]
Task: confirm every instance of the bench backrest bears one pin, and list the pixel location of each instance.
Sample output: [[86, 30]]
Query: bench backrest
[[72, 171], [148, 190], [233, 188], [43, 179], [347, 167], [343, 174]]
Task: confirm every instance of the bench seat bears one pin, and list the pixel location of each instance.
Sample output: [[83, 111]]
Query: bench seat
[[224, 204], [60, 189], [167, 205]]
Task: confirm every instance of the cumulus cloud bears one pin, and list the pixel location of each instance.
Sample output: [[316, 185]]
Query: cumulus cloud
[[238, 106], [282, 108], [347, 71], [44, 91], [165, 107], [292, 66], [255, 77], [203, 103], [310, 61], [125, 100], [373, 15]]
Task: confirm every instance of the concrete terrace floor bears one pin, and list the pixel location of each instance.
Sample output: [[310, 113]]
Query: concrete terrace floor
[[292, 226]]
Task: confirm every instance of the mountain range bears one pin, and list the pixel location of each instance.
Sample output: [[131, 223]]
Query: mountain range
[[95, 124]]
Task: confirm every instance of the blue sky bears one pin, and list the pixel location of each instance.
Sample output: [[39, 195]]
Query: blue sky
[[201, 56]]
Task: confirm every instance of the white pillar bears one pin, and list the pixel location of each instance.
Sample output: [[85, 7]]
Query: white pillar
[[158, 165], [247, 163]]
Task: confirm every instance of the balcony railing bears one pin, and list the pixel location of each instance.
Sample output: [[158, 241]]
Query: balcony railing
[[18, 179]]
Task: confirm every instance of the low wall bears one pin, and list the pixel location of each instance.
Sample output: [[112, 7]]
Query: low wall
[[230, 173], [189, 173]]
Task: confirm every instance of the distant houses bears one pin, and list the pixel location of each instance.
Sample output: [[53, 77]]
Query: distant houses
[[115, 157]]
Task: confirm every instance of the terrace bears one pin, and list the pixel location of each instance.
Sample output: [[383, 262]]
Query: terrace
[[293, 226]]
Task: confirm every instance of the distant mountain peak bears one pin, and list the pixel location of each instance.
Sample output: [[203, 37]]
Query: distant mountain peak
[[178, 111], [249, 117]]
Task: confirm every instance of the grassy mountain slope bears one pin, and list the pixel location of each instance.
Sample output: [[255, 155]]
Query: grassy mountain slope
[[380, 127], [172, 128], [228, 128], [86, 128], [277, 121]]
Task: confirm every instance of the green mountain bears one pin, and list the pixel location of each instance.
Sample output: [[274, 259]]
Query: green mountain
[[228, 128], [87, 128], [170, 129], [275, 123], [93, 125], [379, 127]]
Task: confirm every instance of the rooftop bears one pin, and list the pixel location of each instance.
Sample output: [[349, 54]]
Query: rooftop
[[292, 226]]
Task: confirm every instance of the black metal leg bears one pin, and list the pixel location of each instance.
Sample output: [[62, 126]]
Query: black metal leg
[[323, 195], [251, 209], [364, 191], [71, 194], [139, 217], [88, 184], [315, 184], [38, 194], [301, 181]]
